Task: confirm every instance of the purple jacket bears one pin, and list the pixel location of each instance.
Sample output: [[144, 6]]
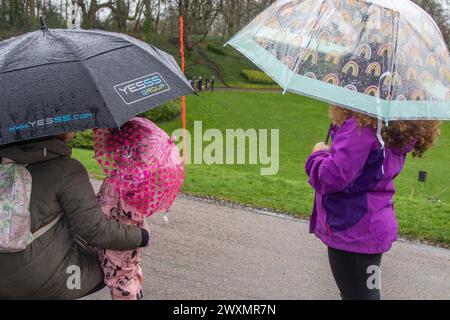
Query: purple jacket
[[353, 209]]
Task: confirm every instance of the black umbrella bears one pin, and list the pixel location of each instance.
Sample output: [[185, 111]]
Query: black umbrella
[[68, 80]]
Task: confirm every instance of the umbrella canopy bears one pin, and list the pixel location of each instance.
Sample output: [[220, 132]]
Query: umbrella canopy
[[143, 164], [381, 57], [69, 80]]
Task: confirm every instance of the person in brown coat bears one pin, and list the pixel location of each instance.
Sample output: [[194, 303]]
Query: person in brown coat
[[63, 263]]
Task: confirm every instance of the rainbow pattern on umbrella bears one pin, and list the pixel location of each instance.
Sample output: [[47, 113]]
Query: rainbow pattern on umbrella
[[377, 66], [383, 58]]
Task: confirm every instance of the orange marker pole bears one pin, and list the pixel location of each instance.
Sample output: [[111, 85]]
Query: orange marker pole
[[183, 98]]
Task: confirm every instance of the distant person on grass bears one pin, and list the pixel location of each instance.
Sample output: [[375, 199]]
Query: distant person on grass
[[192, 83], [353, 178], [212, 82], [200, 84]]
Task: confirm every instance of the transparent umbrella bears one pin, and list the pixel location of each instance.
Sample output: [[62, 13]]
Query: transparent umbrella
[[143, 164], [384, 58]]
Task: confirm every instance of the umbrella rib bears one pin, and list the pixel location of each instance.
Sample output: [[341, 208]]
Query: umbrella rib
[[286, 88], [393, 65], [68, 61], [73, 45], [162, 59], [10, 53]]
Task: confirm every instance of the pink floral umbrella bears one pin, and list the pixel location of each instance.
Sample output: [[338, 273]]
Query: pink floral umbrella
[[142, 162]]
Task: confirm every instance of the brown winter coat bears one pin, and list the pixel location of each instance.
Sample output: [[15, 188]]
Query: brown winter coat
[[60, 185]]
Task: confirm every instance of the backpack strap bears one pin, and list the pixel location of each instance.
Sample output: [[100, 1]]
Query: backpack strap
[[45, 228], [6, 161], [9, 161]]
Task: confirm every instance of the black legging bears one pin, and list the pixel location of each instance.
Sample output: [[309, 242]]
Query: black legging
[[350, 271]]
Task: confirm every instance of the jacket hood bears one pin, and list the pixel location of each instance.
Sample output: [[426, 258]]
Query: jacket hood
[[36, 151], [398, 151], [405, 150]]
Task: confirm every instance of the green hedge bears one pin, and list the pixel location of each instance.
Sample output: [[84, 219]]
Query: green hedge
[[217, 50], [83, 140], [255, 76], [169, 111]]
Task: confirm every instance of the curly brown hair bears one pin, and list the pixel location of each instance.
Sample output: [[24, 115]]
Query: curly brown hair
[[399, 133]]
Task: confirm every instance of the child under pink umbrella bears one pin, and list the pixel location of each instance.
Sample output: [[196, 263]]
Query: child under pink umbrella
[[144, 174]]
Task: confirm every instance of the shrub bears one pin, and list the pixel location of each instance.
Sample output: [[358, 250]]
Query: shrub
[[255, 76], [169, 111], [83, 140], [217, 50]]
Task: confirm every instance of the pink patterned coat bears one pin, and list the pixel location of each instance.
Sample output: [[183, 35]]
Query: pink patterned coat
[[122, 269]]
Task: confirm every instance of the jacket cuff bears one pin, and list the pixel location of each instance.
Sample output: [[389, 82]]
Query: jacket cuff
[[145, 238]]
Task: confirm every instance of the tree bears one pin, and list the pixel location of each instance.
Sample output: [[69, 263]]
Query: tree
[[439, 14], [90, 11], [32, 14], [201, 17]]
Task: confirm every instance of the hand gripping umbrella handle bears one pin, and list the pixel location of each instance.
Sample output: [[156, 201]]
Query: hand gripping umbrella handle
[[327, 139]]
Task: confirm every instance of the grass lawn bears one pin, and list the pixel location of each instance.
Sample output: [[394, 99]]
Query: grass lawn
[[230, 62], [303, 122]]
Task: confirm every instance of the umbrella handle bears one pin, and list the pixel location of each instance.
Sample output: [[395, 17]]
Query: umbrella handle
[[327, 139]]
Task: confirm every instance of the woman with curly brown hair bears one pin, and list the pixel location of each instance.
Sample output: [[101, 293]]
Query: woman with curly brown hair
[[353, 178]]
